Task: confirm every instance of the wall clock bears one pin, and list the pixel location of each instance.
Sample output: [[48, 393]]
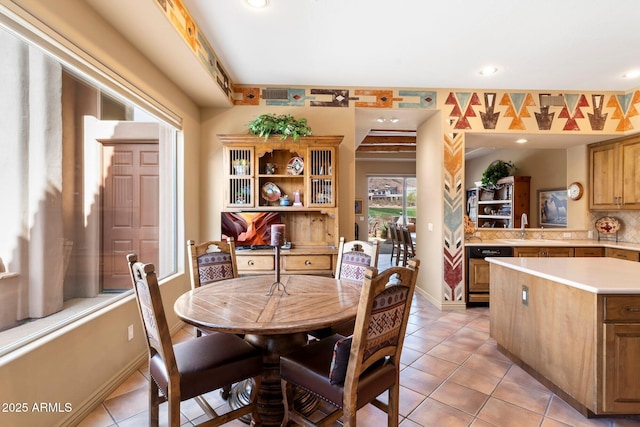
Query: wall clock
[[575, 190]]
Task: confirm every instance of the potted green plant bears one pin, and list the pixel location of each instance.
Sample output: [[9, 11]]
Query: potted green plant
[[497, 170], [284, 125]]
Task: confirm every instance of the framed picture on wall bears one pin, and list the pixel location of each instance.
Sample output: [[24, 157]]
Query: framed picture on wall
[[358, 206], [552, 208]]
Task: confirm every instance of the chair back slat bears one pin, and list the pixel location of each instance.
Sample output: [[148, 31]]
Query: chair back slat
[[387, 314], [151, 310], [382, 317], [354, 257], [212, 261]]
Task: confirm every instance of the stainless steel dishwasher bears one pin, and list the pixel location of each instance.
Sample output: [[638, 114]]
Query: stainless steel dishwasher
[[478, 271]]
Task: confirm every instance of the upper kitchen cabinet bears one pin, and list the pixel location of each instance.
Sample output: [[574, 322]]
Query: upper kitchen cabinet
[[614, 174]]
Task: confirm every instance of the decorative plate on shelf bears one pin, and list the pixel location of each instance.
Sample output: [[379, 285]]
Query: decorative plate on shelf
[[607, 225], [295, 166], [270, 192]]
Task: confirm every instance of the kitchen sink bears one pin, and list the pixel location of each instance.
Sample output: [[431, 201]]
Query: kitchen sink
[[535, 241]]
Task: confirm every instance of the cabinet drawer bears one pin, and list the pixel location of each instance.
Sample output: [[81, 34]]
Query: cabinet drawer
[[256, 262], [621, 254], [622, 308], [307, 262], [589, 252]]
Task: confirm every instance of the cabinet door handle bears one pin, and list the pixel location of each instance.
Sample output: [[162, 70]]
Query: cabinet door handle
[[251, 262], [633, 309], [307, 262]]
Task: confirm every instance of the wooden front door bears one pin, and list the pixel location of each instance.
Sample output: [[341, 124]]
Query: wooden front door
[[130, 206]]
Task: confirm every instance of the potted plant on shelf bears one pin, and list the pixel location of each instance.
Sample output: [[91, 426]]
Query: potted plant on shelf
[[497, 170], [284, 125]]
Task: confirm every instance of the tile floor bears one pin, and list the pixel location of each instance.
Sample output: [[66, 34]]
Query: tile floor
[[452, 376]]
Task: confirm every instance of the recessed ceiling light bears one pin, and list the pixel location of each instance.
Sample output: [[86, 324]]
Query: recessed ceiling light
[[394, 120], [521, 141], [488, 70], [257, 3], [380, 120], [631, 74]]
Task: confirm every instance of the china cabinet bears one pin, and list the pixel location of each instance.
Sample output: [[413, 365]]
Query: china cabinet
[[299, 181]]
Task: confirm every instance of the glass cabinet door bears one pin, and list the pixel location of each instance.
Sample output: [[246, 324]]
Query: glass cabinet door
[[240, 191], [322, 177]]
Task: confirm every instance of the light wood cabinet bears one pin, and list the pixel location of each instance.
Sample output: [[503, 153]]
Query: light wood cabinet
[[625, 254], [588, 252], [621, 379], [308, 166], [543, 252], [614, 174], [478, 280], [259, 172], [599, 374], [502, 207]]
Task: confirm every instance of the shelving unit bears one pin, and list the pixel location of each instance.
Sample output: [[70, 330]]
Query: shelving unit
[[307, 167], [504, 206]]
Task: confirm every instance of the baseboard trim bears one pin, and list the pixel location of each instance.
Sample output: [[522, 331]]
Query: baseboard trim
[[442, 305], [93, 401]]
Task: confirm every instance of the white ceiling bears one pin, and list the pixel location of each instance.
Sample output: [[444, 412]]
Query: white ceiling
[[551, 45], [537, 45]]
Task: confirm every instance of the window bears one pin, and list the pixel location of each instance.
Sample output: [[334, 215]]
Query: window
[[391, 200], [88, 176]]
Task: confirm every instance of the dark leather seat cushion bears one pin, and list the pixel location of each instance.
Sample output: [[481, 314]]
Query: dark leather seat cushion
[[309, 368], [209, 361]]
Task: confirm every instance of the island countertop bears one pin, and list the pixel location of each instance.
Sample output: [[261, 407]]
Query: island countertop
[[596, 275]]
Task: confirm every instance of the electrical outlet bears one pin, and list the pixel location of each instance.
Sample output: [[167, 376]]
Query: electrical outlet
[[566, 235], [130, 332], [590, 234]]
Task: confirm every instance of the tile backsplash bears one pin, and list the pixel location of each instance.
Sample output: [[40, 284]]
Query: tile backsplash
[[629, 224], [629, 229]]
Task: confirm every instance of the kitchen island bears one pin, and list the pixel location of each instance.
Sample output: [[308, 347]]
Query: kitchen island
[[574, 324]]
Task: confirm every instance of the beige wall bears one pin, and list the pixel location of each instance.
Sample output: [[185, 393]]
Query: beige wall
[[429, 228], [74, 365]]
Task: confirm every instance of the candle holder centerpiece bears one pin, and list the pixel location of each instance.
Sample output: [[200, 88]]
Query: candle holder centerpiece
[[277, 240]]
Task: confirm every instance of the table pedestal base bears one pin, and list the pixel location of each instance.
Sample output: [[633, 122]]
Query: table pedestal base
[[270, 406]]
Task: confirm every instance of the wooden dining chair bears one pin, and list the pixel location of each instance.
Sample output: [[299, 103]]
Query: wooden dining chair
[[408, 248], [192, 368], [212, 261], [353, 258], [395, 243], [350, 372]]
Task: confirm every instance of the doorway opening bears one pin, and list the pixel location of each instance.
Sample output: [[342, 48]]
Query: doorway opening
[[391, 199]]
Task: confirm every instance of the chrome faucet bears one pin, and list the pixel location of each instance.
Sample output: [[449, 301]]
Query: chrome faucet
[[523, 222]]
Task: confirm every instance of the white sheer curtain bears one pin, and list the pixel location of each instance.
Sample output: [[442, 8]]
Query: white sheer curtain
[[31, 232]]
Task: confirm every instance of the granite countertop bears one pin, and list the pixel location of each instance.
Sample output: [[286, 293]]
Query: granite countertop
[[553, 242], [596, 275]]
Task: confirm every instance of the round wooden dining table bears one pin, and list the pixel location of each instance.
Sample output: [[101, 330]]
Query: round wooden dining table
[[277, 322]]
